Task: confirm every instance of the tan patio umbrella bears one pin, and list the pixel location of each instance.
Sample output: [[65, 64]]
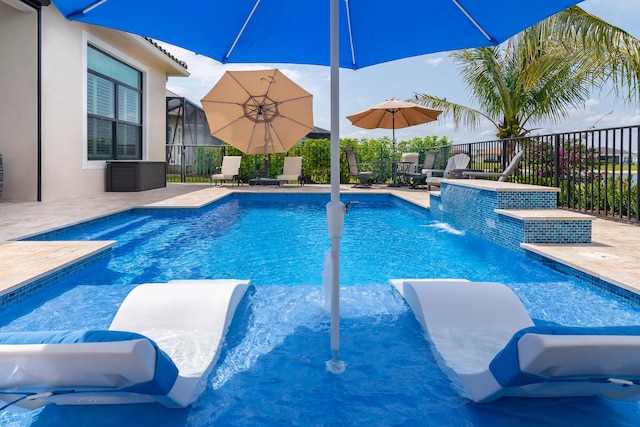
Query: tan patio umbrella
[[258, 112], [394, 114]]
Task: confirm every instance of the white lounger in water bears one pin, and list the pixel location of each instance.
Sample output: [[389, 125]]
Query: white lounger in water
[[159, 347], [485, 335]]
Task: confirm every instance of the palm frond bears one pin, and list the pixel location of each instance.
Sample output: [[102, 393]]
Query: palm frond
[[460, 114]]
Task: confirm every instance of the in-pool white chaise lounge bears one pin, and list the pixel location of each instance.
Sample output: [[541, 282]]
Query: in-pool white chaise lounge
[[160, 347], [485, 336]]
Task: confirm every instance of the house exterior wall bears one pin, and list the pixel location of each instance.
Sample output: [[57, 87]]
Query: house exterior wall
[[66, 171], [18, 109]]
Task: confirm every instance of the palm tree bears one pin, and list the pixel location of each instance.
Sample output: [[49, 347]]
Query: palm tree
[[541, 73]]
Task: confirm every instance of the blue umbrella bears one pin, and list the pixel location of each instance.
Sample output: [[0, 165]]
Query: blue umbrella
[[298, 31], [339, 33]]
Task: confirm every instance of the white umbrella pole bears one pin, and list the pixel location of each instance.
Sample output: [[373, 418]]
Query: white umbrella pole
[[335, 208]]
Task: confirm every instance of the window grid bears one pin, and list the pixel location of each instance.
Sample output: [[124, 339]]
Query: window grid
[[114, 109]]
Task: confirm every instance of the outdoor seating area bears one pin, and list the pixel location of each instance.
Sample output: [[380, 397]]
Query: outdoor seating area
[[419, 169], [365, 178], [291, 171], [454, 168], [501, 176], [418, 177], [407, 166], [229, 171]]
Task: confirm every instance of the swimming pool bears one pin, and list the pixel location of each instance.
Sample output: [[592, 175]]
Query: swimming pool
[[272, 370]]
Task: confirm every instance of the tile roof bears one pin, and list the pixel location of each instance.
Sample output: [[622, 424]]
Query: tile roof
[[163, 50]]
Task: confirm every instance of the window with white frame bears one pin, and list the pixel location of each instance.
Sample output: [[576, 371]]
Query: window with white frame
[[114, 108]]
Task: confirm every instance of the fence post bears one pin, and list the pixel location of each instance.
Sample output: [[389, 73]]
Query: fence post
[[503, 155], [183, 164], [556, 160]]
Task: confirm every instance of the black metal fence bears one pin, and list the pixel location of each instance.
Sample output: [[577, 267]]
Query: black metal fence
[[596, 170], [195, 163], [192, 163]]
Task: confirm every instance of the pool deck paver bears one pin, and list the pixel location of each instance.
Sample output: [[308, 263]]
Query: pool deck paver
[[612, 256], [24, 262]]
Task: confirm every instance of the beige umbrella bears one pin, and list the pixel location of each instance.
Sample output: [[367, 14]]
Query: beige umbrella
[[258, 112], [394, 114]]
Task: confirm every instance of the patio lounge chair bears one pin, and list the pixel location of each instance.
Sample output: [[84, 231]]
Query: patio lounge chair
[[484, 334], [454, 164], [502, 176], [230, 170], [418, 177], [408, 165], [292, 170], [364, 178]]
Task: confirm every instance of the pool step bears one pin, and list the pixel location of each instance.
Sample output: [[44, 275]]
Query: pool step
[[550, 226]]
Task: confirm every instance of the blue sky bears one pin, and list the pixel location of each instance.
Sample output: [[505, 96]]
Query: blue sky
[[433, 74]]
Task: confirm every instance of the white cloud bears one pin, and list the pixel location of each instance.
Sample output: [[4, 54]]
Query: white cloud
[[294, 75], [591, 102], [358, 134], [629, 119], [434, 61]]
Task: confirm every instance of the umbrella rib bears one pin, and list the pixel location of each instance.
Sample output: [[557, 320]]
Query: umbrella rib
[[253, 132], [349, 27], [241, 85], [474, 22], [218, 102], [81, 13], [293, 99], [275, 132], [298, 122], [244, 26], [226, 126]]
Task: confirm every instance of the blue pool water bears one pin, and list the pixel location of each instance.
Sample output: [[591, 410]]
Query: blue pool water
[[272, 369]]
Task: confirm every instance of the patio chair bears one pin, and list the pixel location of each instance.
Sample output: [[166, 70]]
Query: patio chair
[[454, 164], [502, 176], [419, 176], [408, 164], [364, 177], [229, 171], [292, 170]]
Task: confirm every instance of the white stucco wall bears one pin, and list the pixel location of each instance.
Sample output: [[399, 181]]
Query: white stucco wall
[[65, 170], [18, 109]]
